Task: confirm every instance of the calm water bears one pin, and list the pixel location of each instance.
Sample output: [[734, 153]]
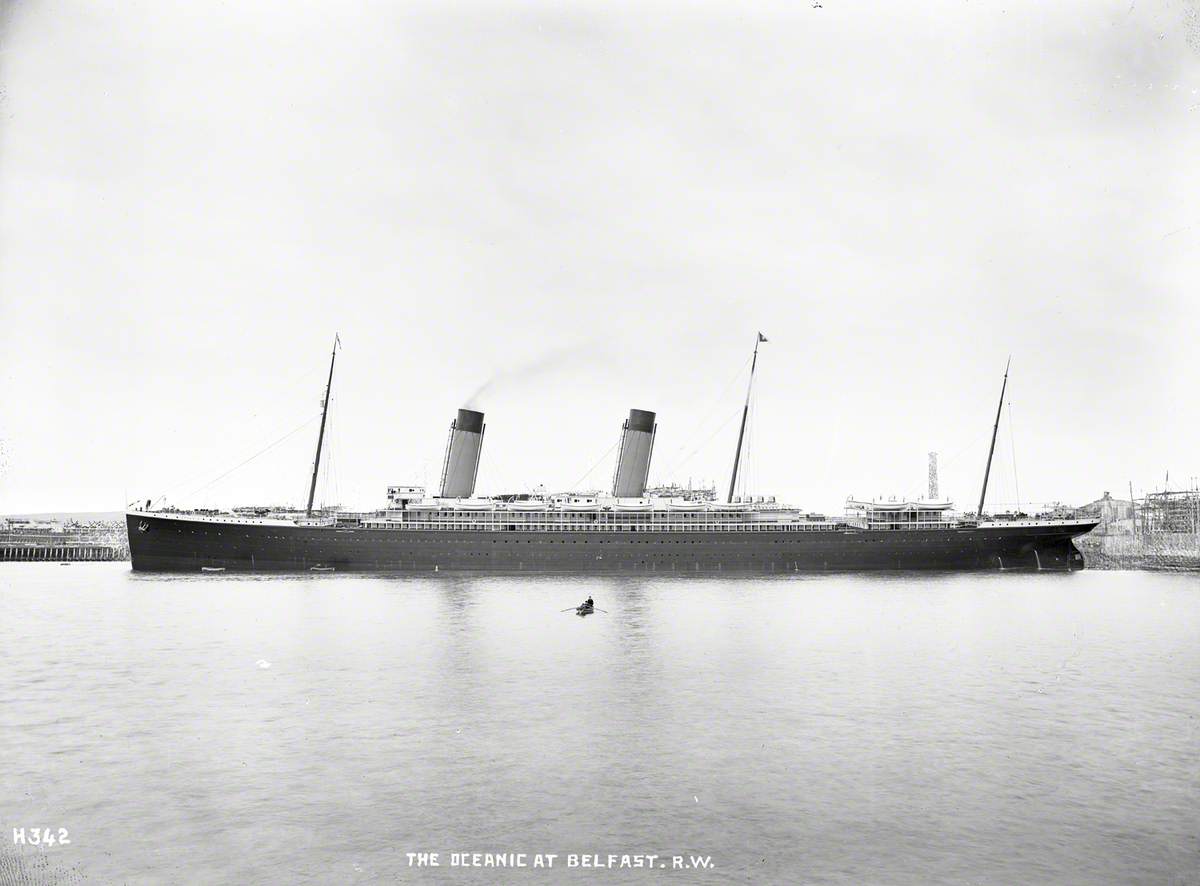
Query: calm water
[[881, 729]]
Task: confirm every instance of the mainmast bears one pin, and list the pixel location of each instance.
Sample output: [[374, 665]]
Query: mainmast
[[312, 490], [988, 470], [737, 456]]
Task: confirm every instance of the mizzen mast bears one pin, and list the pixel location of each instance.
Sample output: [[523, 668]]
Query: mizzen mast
[[312, 489], [988, 470], [737, 456]]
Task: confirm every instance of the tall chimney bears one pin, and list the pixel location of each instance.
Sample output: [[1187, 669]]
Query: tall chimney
[[633, 462], [933, 484], [462, 454]]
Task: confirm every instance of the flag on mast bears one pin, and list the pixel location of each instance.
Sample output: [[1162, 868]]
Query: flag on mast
[[761, 337]]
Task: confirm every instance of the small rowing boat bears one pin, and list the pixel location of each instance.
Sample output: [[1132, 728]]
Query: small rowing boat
[[584, 610], [320, 569], [212, 568]]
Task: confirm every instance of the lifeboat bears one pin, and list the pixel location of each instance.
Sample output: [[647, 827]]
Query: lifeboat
[[633, 504], [680, 504], [472, 504], [578, 505], [527, 505]]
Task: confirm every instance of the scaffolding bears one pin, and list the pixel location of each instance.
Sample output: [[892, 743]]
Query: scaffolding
[[1177, 511]]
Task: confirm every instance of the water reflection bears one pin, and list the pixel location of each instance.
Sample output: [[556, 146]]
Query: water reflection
[[808, 728]]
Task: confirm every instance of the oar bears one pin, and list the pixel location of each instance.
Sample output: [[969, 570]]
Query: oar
[[598, 609]]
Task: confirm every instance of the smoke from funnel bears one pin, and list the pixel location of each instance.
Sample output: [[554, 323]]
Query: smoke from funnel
[[547, 363]]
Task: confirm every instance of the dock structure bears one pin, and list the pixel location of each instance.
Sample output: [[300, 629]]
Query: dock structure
[[1174, 511], [72, 553], [1169, 511], [25, 541], [1160, 530]]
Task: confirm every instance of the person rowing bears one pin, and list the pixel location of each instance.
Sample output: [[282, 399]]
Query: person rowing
[[587, 607]]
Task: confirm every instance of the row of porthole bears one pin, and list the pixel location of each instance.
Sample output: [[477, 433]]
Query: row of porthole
[[600, 541], [725, 541]]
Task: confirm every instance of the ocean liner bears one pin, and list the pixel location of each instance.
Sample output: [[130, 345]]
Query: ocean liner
[[626, 531]]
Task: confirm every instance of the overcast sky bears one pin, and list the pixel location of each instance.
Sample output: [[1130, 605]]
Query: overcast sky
[[600, 203]]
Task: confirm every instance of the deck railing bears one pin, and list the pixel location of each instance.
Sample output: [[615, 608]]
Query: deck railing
[[633, 528], [499, 521], [690, 526]]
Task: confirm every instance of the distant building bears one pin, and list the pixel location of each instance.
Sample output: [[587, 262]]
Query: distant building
[[1116, 515]]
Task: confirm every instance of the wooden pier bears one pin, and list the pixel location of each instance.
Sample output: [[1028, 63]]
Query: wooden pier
[[70, 553], [63, 544]]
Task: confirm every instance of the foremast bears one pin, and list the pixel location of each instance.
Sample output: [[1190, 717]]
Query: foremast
[[991, 450], [737, 455], [312, 489]]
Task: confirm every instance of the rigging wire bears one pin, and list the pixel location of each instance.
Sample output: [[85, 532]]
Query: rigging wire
[[333, 451], [754, 478], [330, 478], [262, 451], [945, 463], [713, 405], [1012, 445], [275, 395], [746, 478], [575, 486], [199, 476], [499, 476], [730, 417], [270, 394]]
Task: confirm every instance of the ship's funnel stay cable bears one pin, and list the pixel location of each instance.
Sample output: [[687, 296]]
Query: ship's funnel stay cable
[[592, 469]]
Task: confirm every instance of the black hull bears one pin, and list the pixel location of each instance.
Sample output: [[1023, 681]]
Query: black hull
[[167, 544]]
